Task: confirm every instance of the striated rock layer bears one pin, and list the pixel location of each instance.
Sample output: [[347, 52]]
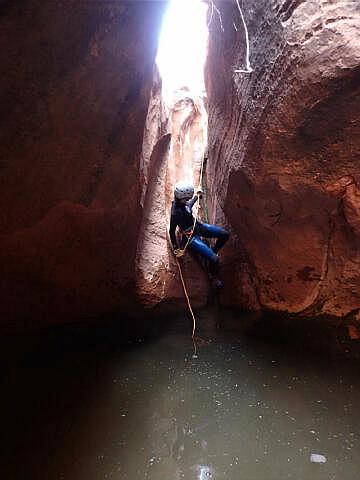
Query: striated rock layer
[[284, 150], [75, 88]]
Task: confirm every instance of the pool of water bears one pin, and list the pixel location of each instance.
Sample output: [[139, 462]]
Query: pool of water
[[243, 409]]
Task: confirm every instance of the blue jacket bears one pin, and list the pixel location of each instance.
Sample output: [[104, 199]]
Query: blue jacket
[[182, 217]]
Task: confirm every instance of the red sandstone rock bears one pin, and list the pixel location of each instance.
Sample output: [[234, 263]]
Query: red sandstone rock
[[170, 153], [351, 203], [75, 88], [85, 199], [284, 149]]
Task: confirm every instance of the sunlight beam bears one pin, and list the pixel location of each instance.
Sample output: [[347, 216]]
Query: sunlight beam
[[183, 47]]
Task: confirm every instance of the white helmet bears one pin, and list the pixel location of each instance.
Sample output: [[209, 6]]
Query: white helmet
[[183, 190]]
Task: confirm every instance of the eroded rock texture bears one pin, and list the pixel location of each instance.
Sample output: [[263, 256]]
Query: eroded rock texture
[[174, 142], [284, 150], [75, 88]]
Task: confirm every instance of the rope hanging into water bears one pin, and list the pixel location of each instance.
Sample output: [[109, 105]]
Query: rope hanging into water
[[182, 253], [248, 69], [190, 308]]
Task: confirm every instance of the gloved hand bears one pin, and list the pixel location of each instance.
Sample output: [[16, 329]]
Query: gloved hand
[[178, 253]]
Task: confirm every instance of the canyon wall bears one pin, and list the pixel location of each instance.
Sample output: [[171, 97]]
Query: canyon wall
[[284, 152], [89, 155], [75, 89], [173, 150]]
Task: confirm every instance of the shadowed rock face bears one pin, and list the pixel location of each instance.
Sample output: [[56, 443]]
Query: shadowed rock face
[[75, 88], [284, 151]]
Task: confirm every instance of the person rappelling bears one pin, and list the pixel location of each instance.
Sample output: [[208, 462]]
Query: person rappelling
[[194, 231]]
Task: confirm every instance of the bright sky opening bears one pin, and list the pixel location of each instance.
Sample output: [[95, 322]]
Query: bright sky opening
[[183, 46]]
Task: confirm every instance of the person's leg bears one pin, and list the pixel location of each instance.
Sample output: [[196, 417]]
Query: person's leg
[[197, 245], [213, 231]]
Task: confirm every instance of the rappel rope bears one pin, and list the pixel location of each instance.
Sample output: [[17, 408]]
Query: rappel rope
[[197, 210], [248, 66], [179, 267], [248, 69], [190, 309]]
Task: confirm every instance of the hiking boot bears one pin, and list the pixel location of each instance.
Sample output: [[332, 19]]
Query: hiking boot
[[217, 283], [214, 268]]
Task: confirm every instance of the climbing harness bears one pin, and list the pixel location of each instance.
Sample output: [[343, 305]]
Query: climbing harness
[[187, 233], [182, 252]]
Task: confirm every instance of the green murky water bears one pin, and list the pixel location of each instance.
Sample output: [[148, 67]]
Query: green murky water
[[241, 410]]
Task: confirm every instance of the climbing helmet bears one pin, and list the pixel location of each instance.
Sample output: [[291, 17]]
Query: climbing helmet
[[183, 190]]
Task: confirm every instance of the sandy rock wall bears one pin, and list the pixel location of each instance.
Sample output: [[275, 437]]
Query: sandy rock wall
[[75, 89], [173, 149], [284, 149]]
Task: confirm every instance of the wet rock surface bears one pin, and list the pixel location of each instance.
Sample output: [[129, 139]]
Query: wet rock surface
[[284, 147]]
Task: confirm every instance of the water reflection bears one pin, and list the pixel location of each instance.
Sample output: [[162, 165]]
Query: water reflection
[[240, 410]]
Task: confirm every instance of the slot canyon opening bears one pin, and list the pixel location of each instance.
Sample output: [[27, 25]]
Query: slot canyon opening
[[183, 47], [174, 147], [181, 58]]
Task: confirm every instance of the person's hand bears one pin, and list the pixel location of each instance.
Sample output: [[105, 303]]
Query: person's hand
[[178, 253], [199, 191]]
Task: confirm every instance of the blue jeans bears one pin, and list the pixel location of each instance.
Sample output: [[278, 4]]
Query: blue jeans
[[208, 231]]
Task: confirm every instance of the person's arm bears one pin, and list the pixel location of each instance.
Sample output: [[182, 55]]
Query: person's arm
[[191, 203], [173, 225]]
